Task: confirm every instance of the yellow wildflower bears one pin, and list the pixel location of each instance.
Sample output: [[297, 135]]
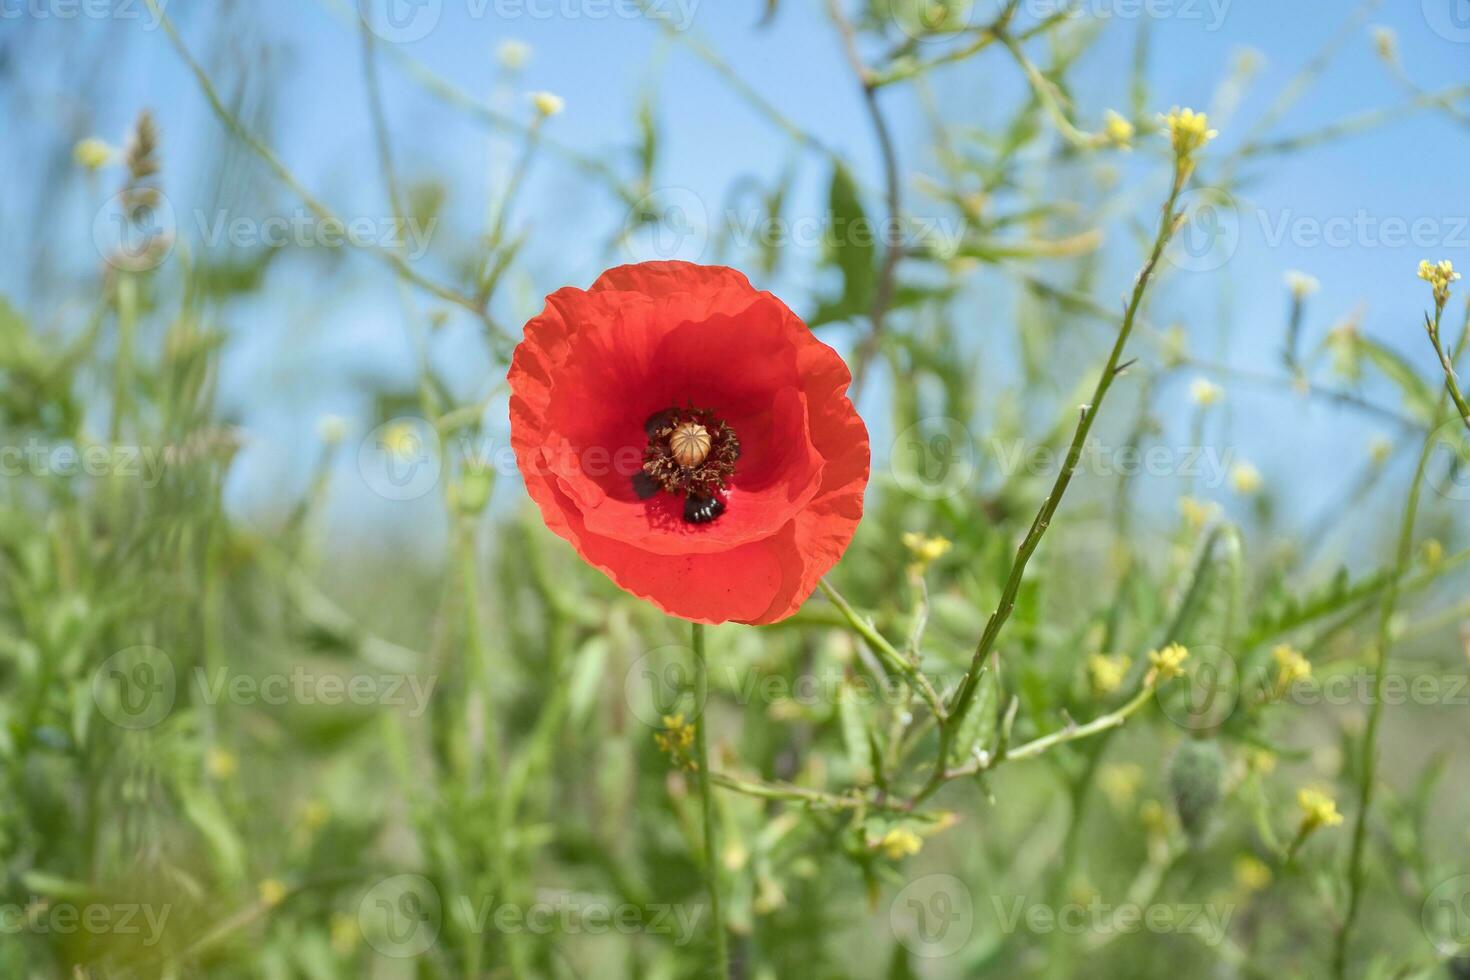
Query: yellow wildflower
[[331, 429], [1120, 783], [402, 440], [1154, 817], [1204, 392], [221, 763], [1166, 664], [1301, 284], [513, 54], [676, 740], [315, 814], [547, 104], [345, 933], [900, 842], [1433, 552], [1439, 275], [1251, 873], [1318, 810], [1117, 130], [92, 153], [1188, 130], [272, 892], [1386, 43], [1291, 666], [1106, 673], [924, 548], [1245, 479], [1198, 513]]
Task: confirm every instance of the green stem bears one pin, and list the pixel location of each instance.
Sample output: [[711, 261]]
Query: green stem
[[1375, 712], [706, 803], [1168, 222]]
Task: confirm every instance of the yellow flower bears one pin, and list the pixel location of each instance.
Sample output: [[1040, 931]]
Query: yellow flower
[[1198, 513], [221, 763], [402, 440], [1261, 760], [1106, 673], [1166, 664], [1117, 130], [1386, 43], [676, 740], [1439, 275], [1251, 873], [331, 429], [1301, 284], [1291, 666], [1379, 450], [345, 933], [900, 842], [924, 548], [1245, 479], [1120, 783], [513, 54], [1433, 552], [547, 104], [1204, 392], [272, 892], [1154, 817], [92, 153], [1318, 810], [1188, 130], [315, 814]]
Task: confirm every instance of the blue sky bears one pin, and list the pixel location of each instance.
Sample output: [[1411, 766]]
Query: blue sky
[[304, 349]]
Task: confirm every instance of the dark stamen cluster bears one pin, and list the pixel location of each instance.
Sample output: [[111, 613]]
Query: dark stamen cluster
[[701, 485]]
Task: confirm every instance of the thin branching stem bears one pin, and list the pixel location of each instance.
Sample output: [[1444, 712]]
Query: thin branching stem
[[1168, 223]]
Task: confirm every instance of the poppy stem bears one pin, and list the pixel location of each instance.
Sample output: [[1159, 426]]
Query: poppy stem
[[706, 803]]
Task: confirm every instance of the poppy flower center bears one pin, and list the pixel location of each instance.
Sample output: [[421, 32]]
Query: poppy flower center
[[691, 453]]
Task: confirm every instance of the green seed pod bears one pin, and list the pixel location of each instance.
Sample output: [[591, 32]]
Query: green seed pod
[[1195, 774]]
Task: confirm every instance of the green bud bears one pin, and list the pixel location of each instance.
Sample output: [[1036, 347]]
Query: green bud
[[1195, 774]]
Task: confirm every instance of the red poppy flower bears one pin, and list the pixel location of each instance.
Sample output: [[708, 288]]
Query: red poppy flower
[[691, 438]]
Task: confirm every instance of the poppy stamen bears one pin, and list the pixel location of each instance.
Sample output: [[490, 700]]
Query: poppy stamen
[[691, 453]]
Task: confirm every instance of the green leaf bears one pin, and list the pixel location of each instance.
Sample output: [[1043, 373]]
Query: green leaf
[[855, 732], [977, 727], [852, 247], [1418, 396], [586, 678], [209, 818]]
